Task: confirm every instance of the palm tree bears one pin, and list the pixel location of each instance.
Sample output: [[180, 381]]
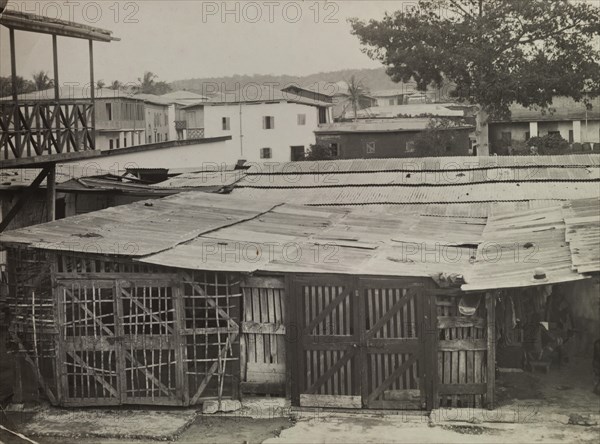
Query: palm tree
[[115, 85], [42, 81], [356, 91], [147, 82]]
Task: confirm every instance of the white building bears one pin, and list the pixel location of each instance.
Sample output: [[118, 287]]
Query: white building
[[264, 124]]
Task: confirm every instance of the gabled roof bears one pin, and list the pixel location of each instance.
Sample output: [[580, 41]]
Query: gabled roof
[[183, 95]]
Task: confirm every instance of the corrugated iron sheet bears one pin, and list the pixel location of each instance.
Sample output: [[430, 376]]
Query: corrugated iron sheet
[[582, 219], [426, 195], [518, 245]]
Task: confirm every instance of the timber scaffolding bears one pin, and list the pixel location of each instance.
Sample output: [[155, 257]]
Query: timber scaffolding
[[200, 296]]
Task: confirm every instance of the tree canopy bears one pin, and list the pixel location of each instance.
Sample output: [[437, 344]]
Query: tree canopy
[[148, 85], [496, 52]]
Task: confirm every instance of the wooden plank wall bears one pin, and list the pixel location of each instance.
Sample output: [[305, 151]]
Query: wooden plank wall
[[462, 354], [263, 328]]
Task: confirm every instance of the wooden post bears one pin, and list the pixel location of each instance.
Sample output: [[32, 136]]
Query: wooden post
[[56, 94], [51, 192], [433, 344], [15, 94], [92, 94], [490, 305]]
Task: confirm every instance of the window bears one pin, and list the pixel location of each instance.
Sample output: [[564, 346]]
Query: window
[[109, 110], [301, 119], [268, 122], [226, 124], [166, 137], [322, 115], [125, 141], [118, 142], [335, 149], [265, 153], [370, 147], [410, 146], [149, 139], [527, 135], [571, 136], [297, 152], [110, 144]]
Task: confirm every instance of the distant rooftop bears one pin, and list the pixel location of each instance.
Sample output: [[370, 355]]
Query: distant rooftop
[[69, 92], [259, 94], [381, 126], [183, 95], [562, 108]]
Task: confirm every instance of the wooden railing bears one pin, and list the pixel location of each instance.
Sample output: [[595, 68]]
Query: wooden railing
[[40, 128]]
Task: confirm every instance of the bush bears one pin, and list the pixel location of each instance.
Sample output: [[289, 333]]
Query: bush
[[319, 152], [549, 144]]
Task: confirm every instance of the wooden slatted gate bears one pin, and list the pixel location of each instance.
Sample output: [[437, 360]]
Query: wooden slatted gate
[[363, 342], [263, 346]]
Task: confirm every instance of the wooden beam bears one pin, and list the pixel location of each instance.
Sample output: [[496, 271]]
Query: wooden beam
[[25, 196], [15, 92], [92, 93], [56, 92], [490, 305], [51, 193]]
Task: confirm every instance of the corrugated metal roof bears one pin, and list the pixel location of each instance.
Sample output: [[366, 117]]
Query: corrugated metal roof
[[214, 232], [206, 231], [516, 246], [561, 108], [426, 195], [23, 177], [71, 92], [379, 126], [582, 219]]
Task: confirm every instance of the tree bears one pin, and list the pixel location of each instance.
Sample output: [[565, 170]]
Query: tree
[[319, 152], [147, 85], [497, 52], [100, 84], [115, 85], [42, 81], [23, 86], [437, 140], [356, 91]]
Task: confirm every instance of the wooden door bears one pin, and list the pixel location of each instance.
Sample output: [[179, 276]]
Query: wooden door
[[87, 343], [362, 342], [328, 369], [392, 352], [150, 352]]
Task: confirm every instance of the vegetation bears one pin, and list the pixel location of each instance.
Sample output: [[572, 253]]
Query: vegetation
[[356, 91], [437, 140], [23, 86], [549, 144], [42, 81], [319, 152], [148, 85], [497, 52]]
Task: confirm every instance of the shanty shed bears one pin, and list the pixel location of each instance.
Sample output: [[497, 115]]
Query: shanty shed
[[199, 296]]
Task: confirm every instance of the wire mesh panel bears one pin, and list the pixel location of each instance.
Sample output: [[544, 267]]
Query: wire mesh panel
[[150, 345], [211, 328], [88, 342]]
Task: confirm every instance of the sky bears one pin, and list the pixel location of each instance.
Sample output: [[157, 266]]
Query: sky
[[194, 38]]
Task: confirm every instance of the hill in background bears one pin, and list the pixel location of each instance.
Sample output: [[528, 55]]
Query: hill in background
[[372, 79]]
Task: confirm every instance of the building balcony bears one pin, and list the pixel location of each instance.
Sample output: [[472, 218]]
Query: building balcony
[[180, 124], [195, 133], [30, 129]]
